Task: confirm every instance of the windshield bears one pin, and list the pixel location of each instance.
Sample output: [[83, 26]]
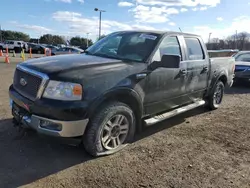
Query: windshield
[[243, 57], [134, 46]]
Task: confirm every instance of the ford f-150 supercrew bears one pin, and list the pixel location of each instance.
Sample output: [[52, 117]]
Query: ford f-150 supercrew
[[125, 81]]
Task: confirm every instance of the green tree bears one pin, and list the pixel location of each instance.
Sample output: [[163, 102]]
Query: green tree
[[51, 39], [78, 41], [15, 35]]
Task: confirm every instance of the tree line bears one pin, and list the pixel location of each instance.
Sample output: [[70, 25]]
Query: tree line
[[44, 39], [240, 41]]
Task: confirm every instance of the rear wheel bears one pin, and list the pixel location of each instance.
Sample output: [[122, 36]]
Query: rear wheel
[[216, 96], [110, 129], [17, 50]]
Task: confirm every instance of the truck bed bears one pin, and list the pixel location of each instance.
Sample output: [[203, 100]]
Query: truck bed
[[223, 65]]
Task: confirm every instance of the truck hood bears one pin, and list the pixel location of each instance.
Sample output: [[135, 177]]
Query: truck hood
[[56, 64], [242, 63]]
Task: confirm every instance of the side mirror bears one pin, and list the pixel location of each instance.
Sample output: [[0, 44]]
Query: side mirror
[[167, 61], [171, 61]]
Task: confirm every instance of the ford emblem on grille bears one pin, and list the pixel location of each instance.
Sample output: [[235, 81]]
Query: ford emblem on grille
[[23, 82]]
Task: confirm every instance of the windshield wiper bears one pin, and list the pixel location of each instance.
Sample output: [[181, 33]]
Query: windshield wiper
[[104, 55], [87, 52]]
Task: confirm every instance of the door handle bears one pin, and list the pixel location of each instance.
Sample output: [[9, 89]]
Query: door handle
[[183, 72], [205, 69], [141, 76]]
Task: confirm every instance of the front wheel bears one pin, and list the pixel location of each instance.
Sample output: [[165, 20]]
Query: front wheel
[[110, 129], [216, 96]]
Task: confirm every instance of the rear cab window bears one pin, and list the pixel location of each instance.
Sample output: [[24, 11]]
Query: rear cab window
[[194, 49]]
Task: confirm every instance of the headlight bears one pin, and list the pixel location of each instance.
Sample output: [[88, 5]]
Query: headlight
[[64, 91]]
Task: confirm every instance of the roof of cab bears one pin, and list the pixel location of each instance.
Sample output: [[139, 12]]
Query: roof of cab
[[162, 32]]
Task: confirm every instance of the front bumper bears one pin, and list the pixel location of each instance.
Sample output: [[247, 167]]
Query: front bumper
[[48, 118], [52, 127]]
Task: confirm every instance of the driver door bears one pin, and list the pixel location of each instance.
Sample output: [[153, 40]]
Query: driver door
[[166, 86]]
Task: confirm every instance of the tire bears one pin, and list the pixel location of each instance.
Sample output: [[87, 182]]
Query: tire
[[102, 134], [17, 50], [215, 99]]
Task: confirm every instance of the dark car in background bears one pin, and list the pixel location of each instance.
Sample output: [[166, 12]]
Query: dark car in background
[[37, 48], [242, 67], [67, 50], [52, 47]]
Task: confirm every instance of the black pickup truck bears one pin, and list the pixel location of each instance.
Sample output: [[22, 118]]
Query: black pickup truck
[[123, 82]]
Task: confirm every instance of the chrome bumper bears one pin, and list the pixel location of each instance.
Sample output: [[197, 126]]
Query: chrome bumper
[[54, 127]]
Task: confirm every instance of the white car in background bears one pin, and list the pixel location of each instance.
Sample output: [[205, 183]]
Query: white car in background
[[14, 46]]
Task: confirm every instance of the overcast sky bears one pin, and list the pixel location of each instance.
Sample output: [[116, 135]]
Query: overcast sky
[[77, 17]]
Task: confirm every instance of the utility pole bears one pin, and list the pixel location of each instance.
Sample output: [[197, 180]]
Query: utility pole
[[236, 39], [100, 20], [209, 37], [1, 38], [208, 44], [87, 40]]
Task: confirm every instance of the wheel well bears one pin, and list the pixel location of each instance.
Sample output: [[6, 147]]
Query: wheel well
[[127, 99], [223, 78]]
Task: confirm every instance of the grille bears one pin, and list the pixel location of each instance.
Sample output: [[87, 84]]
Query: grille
[[30, 89]]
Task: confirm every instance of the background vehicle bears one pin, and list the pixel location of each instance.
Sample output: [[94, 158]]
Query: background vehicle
[[61, 45], [37, 48], [67, 50], [101, 97], [242, 67], [51, 47], [14, 46]]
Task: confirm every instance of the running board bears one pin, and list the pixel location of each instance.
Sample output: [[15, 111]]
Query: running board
[[175, 112]]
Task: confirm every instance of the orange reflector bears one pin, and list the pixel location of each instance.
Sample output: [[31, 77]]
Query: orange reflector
[[77, 90]]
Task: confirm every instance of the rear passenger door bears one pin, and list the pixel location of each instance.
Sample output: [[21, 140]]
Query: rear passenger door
[[197, 67]]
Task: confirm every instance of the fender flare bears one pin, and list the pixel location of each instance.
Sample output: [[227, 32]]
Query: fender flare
[[111, 95], [216, 79], [134, 97]]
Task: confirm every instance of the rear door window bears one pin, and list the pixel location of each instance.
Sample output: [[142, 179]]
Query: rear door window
[[194, 49]]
